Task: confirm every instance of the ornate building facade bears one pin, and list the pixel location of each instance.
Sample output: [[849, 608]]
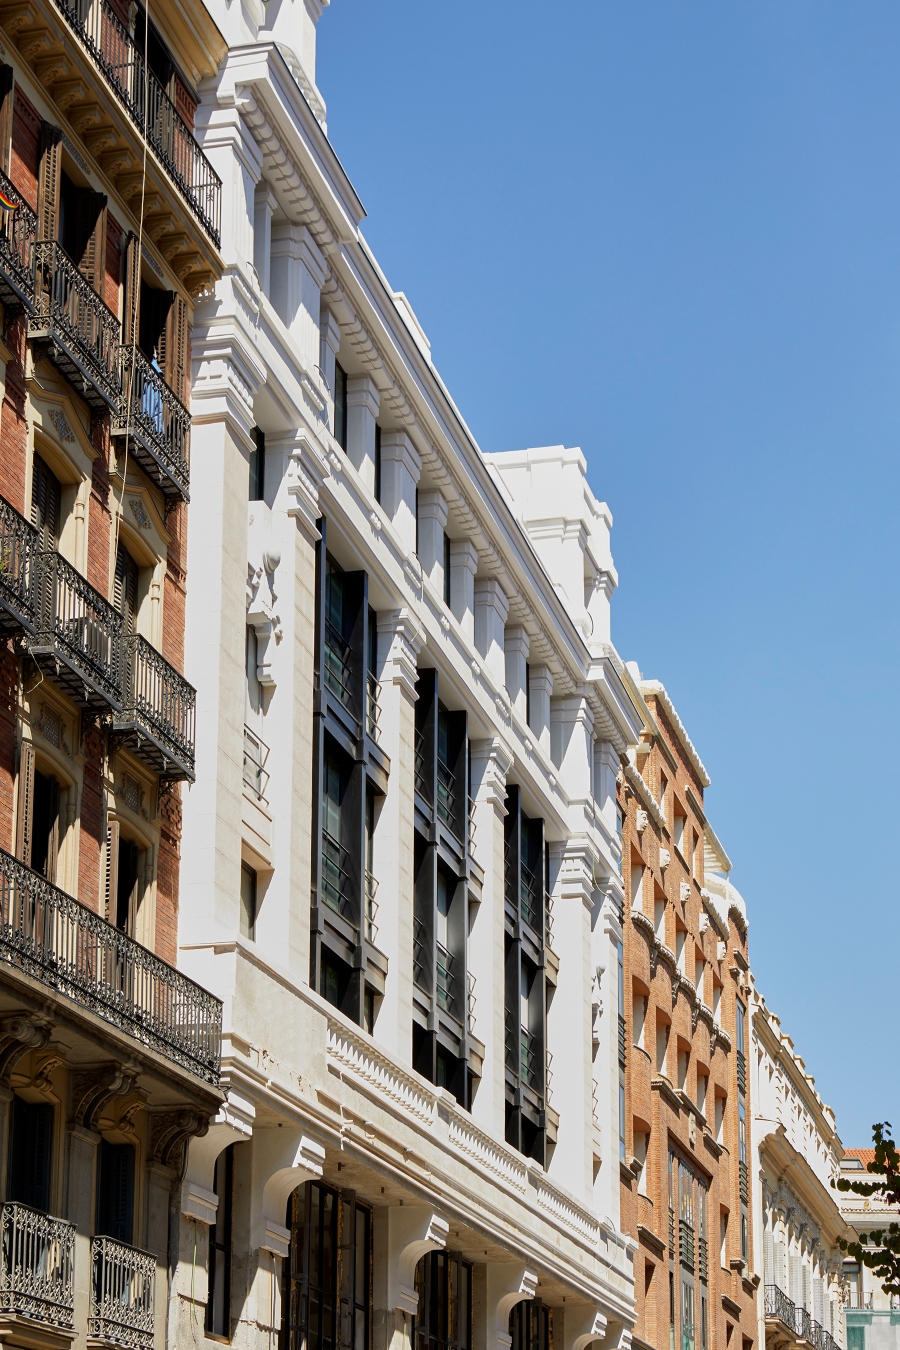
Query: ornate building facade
[[683, 1052], [109, 1056], [797, 1155], [402, 864]]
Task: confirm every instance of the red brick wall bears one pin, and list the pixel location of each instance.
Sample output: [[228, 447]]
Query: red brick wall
[[167, 874], [13, 422], [99, 518], [23, 162], [8, 676], [92, 823]]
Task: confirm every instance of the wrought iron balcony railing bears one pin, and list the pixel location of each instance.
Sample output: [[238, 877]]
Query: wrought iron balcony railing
[[779, 1305], [156, 423], [70, 949], [78, 634], [371, 908], [472, 828], [420, 973], [37, 1266], [531, 1066], [122, 1293], [446, 795], [121, 61], [802, 1323], [446, 980], [18, 548], [18, 231], [373, 706], [470, 1003], [336, 880], [83, 335], [256, 753], [157, 717], [421, 778]]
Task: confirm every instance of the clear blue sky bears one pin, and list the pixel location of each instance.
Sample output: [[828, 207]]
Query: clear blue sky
[[668, 231]]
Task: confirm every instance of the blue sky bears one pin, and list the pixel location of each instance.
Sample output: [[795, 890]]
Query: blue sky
[[668, 231]]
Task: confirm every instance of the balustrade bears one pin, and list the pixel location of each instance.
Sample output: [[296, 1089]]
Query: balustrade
[[122, 1294], [37, 1266], [18, 548], [155, 422], [82, 334], [157, 718]]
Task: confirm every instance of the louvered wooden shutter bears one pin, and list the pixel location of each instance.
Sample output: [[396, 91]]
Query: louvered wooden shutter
[[49, 171], [53, 833], [173, 356], [112, 869], [25, 813], [6, 116], [92, 263], [46, 505], [132, 291], [125, 587]]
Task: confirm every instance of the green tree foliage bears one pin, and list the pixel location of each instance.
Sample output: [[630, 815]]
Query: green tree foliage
[[880, 1248]]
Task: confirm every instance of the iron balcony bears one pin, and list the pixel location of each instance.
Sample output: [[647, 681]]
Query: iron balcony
[[157, 717], [123, 1289], [18, 230], [18, 549], [156, 424], [81, 333], [37, 1267], [56, 940], [149, 107], [78, 635]]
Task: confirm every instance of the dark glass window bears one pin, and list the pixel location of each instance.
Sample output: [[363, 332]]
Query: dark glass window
[[444, 1317], [338, 652], [248, 902], [531, 1326], [258, 466], [327, 1299], [218, 1307], [336, 879], [340, 405], [45, 825], [127, 879], [115, 1191], [30, 1153]]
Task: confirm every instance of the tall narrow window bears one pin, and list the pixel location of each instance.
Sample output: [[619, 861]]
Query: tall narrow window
[[115, 1191], [30, 1153], [125, 588], [443, 1318], [45, 825], [531, 1325], [46, 505], [127, 885], [218, 1307], [327, 1289], [248, 902], [340, 405], [257, 487]]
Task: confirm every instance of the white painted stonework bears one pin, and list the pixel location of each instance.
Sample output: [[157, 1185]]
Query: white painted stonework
[[523, 646]]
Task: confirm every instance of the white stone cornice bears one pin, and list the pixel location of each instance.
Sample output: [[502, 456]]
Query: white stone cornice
[[399, 630], [307, 470]]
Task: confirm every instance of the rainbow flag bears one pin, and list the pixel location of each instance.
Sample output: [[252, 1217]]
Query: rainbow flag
[[7, 203]]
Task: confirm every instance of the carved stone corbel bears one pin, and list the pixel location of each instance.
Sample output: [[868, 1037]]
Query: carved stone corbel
[[95, 1086], [171, 1128], [21, 1032]]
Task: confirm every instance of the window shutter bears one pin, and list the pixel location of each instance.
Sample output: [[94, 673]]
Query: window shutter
[[6, 116], [173, 355], [130, 317], [46, 505], [112, 869], [53, 835], [49, 170], [125, 587], [92, 263], [25, 818]]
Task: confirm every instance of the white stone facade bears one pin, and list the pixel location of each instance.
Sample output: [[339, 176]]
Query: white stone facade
[[796, 1153], [369, 468]]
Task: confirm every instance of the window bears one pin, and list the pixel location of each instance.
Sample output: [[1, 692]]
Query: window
[[336, 892], [248, 902], [327, 1278], [531, 1325], [662, 1046], [638, 1019], [702, 1087], [340, 405], [46, 505], [637, 883], [377, 462], [125, 588], [218, 1307], [678, 833], [115, 1191], [443, 1320], [257, 486], [45, 825], [687, 1314], [699, 968], [659, 916], [723, 1232], [30, 1154], [123, 878], [720, 1116], [622, 1141], [663, 788]]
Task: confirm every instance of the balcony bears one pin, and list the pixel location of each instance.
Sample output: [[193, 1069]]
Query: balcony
[[122, 1293], [71, 950], [157, 717], [18, 547], [81, 333], [149, 107], [155, 423], [37, 1268], [78, 635], [18, 231]]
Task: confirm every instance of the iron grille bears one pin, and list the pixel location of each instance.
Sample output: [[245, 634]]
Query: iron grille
[[18, 547], [82, 333], [336, 890], [743, 1182], [446, 980], [741, 1072], [18, 231], [686, 1244], [371, 908], [122, 1294], [157, 720], [373, 706], [78, 634], [72, 950], [37, 1266], [622, 1056], [149, 107], [338, 664], [156, 422]]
